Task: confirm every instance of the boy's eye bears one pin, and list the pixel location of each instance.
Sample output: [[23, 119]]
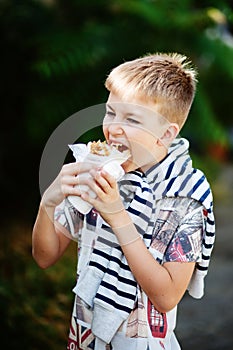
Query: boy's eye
[[133, 121], [110, 114]]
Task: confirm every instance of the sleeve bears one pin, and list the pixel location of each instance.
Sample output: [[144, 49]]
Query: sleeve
[[68, 220], [186, 243]]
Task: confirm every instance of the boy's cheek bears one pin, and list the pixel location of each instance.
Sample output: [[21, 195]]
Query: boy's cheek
[[105, 131]]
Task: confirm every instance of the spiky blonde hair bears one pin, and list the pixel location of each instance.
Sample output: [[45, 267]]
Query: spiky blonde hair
[[166, 79]]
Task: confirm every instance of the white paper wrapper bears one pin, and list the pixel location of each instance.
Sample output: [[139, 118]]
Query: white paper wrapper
[[111, 163]]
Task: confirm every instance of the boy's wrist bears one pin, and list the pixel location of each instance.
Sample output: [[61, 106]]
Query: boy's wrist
[[118, 217], [124, 229], [48, 202]]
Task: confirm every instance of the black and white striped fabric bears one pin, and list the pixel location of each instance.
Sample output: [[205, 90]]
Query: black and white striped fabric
[[107, 285], [175, 177]]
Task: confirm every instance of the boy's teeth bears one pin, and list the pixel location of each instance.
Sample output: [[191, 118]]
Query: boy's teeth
[[120, 147]]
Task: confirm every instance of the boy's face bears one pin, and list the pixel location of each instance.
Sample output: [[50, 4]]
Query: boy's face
[[137, 126]]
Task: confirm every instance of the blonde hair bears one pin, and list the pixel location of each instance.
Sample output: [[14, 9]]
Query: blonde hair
[[167, 79]]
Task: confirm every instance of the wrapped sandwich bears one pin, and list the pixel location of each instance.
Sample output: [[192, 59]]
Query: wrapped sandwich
[[109, 157]]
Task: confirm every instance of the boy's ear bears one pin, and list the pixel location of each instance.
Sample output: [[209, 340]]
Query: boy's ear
[[169, 135]]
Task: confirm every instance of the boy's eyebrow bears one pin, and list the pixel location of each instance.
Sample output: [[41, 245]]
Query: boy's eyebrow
[[127, 113], [109, 106]]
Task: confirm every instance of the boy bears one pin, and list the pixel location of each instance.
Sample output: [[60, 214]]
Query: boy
[[149, 237]]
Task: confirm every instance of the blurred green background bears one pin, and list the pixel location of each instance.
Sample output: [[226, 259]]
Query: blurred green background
[[55, 56]]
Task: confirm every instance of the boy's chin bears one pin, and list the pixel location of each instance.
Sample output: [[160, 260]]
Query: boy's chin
[[129, 165]]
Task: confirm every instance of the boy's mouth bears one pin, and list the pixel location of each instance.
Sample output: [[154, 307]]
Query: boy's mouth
[[119, 146]]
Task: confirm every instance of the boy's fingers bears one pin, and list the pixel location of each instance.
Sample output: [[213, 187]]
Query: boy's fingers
[[110, 179], [77, 168]]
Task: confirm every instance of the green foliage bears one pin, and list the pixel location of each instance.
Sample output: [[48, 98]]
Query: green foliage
[[83, 43]]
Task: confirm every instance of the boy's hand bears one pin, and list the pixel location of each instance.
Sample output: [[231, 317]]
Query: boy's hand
[[108, 201], [65, 183]]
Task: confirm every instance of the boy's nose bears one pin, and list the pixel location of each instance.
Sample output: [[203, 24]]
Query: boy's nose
[[115, 128]]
